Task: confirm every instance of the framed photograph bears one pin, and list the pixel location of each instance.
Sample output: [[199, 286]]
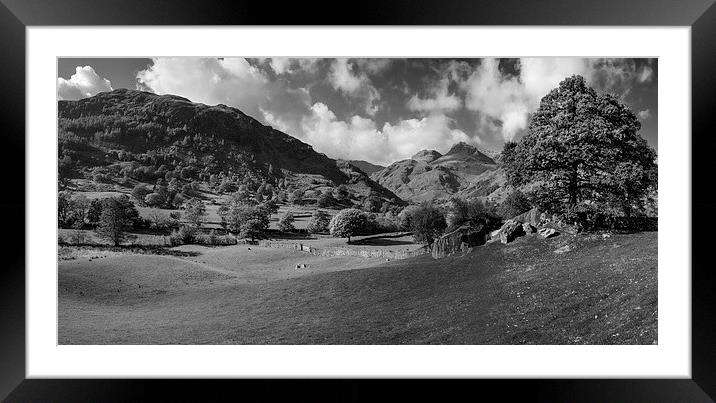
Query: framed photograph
[[460, 190]]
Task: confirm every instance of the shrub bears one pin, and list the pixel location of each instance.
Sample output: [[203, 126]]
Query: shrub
[[161, 222], [341, 193], [514, 204], [320, 221], [178, 200], [405, 217], [184, 235], [102, 178], [326, 200], [139, 192], [296, 197], [473, 211], [427, 223], [153, 199], [285, 223], [372, 204], [212, 239]]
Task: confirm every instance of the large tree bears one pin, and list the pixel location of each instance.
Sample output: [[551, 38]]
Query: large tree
[[582, 153], [347, 223], [118, 215], [427, 223]]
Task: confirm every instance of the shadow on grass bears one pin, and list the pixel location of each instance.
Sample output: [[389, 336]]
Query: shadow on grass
[[381, 242]]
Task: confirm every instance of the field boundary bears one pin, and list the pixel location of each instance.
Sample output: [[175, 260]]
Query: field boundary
[[345, 251]]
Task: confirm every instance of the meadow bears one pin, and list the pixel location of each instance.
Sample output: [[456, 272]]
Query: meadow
[[582, 289]]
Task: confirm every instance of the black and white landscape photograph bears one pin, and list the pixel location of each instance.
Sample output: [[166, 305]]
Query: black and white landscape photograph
[[361, 201]]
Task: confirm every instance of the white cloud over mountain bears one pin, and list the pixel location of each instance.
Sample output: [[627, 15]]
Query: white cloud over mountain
[[360, 138], [84, 83], [379, 110]]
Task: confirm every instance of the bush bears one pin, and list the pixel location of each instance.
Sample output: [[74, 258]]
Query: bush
[[471, 212], [326, 200], [182, 236], [285, 223], [405, 217], [514, 204], [320, 221], [153, 199], [161, 222], [296, 197], [212, 239], [102, 178]]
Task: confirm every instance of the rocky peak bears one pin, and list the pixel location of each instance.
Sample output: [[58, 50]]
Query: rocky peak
[[426, 155]]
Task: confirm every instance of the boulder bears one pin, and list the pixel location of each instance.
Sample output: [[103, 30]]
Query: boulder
[[547, 232], [528, 228], [511, 230], [564, 249], [459, 240], [532, 217]]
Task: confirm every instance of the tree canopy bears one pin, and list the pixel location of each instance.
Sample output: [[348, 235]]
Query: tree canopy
[[118, 215], [582, 154], [347, 223]]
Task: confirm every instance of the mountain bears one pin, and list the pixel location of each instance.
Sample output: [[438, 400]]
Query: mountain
[[144, 136], [366, 166], [464, 171]]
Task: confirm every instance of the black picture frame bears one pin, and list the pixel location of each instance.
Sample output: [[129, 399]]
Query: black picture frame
[[16, 15]]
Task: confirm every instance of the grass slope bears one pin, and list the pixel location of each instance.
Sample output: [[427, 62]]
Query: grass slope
[[600, 291]]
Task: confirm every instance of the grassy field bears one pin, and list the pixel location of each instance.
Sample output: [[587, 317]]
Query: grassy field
[[565, 290]]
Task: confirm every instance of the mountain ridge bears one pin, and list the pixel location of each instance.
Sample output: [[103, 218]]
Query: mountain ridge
[[123, 128], [464, 171]]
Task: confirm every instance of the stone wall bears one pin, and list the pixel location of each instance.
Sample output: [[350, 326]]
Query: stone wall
[[346, 251]]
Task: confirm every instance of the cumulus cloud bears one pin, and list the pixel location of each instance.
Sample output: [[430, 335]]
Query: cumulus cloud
[[286, 65], [212, 81], [360, 138], [84, 83], [503, 102], [374, 66], [488, 100], [644, 115], [440, 100], [354, 83], [230, 81], [645, 74]]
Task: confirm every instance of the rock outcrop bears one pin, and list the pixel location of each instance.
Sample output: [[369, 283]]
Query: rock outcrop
[[511, 230], [532, 217], [459, 240]]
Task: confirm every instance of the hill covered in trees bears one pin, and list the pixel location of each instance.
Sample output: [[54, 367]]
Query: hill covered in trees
[[128, 136]]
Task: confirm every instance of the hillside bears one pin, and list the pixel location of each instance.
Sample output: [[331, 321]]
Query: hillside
[[366, 166], [464, 171], [584, 289], [126, 135]]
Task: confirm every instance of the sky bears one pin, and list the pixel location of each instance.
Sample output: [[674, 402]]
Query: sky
[[377, 110]]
